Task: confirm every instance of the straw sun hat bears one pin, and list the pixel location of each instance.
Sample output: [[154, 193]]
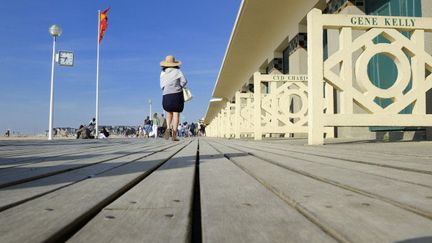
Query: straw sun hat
[[170, 61]]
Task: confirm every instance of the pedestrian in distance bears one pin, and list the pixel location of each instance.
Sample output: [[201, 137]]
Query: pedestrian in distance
[[147, 126], [91, 126], [84, 133], [155, 126], [104, 133], [172, 82], [162, 124]]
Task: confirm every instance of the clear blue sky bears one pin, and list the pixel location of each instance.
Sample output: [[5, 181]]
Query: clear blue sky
[[140, 34]]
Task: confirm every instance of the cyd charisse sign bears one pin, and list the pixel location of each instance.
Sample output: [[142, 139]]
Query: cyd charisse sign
[[290, 77], [383, 22], [286, 78]]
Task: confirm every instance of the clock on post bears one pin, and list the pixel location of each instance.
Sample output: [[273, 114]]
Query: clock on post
[[65, 58]]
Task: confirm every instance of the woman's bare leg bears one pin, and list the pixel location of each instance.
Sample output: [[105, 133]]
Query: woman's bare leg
[[169, 116], [176, 118]]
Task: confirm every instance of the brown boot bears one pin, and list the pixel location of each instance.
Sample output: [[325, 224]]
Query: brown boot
[[167, 134], [174, 135]]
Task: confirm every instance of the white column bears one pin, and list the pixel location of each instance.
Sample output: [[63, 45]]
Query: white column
[[257, 106], [237, 115], [315, 74]]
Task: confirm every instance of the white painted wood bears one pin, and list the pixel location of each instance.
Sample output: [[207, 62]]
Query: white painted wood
[[400, 49], [257, 106], [315, 74], [237, 115]]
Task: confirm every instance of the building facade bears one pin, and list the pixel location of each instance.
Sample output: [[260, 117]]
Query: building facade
[[271, 38]]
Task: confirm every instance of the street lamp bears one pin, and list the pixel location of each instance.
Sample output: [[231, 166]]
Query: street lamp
[[54, 31], [150, 111]]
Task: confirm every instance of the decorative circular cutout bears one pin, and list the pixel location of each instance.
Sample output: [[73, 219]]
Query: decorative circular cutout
[[403, 67], [286, 99]]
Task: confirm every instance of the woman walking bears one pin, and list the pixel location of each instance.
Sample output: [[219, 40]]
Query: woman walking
[[172, 82]]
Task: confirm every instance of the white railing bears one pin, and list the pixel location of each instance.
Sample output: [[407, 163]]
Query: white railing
[[244, 111], [413, 63], [284, 109]]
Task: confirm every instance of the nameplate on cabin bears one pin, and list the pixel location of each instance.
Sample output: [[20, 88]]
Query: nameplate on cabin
[[392, 22], [284, 78], [370, 21]]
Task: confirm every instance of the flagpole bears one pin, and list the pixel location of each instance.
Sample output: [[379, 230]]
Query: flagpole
[[97, 79]]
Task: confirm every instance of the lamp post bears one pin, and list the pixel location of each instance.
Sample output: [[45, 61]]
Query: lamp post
[[54, 31], [150, 111]]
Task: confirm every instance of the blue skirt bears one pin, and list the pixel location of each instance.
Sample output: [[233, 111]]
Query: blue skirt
[[173, 102]]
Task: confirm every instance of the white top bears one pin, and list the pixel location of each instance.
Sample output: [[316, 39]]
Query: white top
[[172, 81]]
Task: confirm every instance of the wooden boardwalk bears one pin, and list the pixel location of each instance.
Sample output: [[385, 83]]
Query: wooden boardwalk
[[214, 190]]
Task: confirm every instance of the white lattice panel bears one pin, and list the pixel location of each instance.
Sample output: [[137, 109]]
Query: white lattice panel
[[413, 64]]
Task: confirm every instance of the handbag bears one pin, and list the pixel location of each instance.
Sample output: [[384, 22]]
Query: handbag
[[187, 94]]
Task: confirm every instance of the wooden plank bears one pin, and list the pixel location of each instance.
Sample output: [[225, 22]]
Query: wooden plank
[[383, 120], [351, 216], [19, 149], [11, 196], [156, 210], [411, 197], [404, 149], [391, 171], [37, 155], [237, 208], [391, 155], [13, 176], [415, 155], [52, 216]]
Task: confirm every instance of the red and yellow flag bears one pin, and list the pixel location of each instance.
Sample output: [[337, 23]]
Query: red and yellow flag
[[103, 20]]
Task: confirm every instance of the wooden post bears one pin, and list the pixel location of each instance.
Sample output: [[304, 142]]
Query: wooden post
[[257, 106], [274, 106], [315, 77], [237, 115], [418, 73]]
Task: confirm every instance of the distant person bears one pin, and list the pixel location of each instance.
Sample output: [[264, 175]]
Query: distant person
[[140, 132], [83, 133], [192, 129], [180, 130], [162, 124], [7, 133], [185, 130], [92, 125], [147, 126], [172, 82], [104, 133], [202, 130], [155, 125]]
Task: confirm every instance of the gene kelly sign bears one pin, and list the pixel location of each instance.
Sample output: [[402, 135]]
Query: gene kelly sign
[[368, 21], [387, 22]]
